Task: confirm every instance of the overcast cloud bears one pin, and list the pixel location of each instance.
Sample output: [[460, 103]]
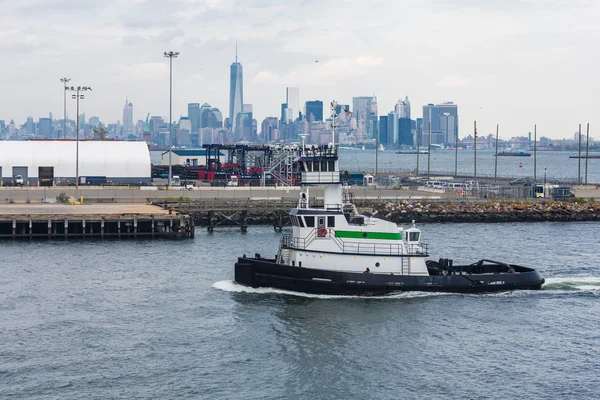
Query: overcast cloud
[[512, 62]]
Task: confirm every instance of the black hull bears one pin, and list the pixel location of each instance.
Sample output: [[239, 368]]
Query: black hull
[[266, 273]]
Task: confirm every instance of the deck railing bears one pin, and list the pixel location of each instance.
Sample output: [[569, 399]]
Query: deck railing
[[356, 247]]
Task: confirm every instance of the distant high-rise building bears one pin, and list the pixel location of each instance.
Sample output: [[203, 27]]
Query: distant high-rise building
[[156, 124], [194, 116], [405, 132], [402, 108], [283, 110], [269, 129], [185, 124], [449, 121], [292, 98], [418, 135], [30, 126], [360, 111], [94, 121], [392, 131], [45, 128], [314, 110], [372, 118], [127, 118], [364, 109], [236, 91], [12, 129], [210, 117], [383, 129], [243, 126], [443, 120]]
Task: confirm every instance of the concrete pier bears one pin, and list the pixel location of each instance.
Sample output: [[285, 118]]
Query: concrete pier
[[95, 220]]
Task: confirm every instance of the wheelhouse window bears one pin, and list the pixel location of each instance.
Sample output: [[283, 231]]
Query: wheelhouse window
[[324, 166], [331, 222], [310, 222], [316, 166], [413, 236], [331, 165], [301, 222]]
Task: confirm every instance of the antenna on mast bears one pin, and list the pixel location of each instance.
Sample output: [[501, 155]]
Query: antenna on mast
[[236, 51], [333, 115]]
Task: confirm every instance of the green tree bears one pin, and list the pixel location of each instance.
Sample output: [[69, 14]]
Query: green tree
[[99, 133]]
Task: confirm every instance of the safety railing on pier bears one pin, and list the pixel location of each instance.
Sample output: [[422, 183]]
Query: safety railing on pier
[[355, 247]]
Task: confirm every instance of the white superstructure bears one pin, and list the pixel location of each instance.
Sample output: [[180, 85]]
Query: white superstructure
[[334, 237]]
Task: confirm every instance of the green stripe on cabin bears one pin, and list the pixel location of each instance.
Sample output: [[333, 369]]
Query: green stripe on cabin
[[368, 235]]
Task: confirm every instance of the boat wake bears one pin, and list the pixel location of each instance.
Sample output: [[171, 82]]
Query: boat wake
[[555, 285], [231, 286], [573, 283]]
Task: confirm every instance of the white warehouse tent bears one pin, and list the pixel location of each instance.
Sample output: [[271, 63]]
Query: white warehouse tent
[[53, 161]]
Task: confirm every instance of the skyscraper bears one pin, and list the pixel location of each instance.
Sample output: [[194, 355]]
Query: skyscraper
[[292, 96], [236, 91], [372, 119], [364, 109], [405, 132], [402, 108], [45, 128], [360, 111], [444, 122], [392, 132], [383, 129], [194, 116], [29, 126], [127, 118], [449, 121], [314, 110]]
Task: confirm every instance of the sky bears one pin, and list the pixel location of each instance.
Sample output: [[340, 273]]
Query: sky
[[516, 63]]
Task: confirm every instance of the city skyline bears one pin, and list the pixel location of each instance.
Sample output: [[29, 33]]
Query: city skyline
[[498, 66]]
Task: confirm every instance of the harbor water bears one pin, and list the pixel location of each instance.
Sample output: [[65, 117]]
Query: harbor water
[[557, 164], [110, 319], [559, 167]]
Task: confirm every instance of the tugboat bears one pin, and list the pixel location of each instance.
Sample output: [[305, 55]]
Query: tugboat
[[335, 250]]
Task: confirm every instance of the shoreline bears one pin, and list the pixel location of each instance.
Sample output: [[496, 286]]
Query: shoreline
[[404, 212]]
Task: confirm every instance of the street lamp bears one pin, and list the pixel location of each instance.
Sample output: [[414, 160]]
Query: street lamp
[[170, 55], [77, 96], [65, 80]]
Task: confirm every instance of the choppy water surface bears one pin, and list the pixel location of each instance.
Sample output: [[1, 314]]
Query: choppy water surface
[[163, 319]]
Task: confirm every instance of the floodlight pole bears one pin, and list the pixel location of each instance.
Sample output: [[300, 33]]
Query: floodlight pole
[[65, 80], [170, 55]]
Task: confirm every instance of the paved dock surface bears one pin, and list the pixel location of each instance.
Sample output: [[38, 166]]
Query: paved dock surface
[[85, 209]]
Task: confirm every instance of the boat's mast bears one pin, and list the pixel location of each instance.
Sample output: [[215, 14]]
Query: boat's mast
[[333, 108]]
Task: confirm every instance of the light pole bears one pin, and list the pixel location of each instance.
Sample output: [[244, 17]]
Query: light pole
[[170, 55], [455, 150], [474, 153], [65, 80], [77, 96], [496, 160]]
